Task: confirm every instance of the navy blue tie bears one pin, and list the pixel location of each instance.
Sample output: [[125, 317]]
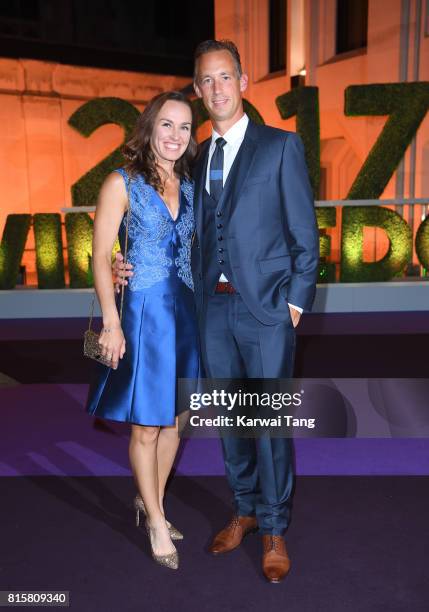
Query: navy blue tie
[[216, 169]]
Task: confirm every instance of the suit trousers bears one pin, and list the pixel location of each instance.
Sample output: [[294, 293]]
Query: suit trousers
[[235, 344]]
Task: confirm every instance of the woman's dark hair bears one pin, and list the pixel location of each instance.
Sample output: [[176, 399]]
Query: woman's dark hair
[[138, 151]]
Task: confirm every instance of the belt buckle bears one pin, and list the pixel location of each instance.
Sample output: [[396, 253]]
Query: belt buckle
[[224, 287]]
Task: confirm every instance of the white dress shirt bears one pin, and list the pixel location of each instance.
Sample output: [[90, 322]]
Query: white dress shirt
[[234, 137]]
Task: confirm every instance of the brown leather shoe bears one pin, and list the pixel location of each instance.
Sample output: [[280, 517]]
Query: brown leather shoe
[[230, 537], [275, 560]]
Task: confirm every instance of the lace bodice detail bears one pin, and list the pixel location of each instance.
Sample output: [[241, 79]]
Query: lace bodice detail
[[158, 246]]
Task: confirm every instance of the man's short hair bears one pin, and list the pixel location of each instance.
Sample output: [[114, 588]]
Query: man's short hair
[[207, 46]]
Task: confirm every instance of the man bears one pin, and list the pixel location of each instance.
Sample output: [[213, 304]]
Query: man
[[254, 262]]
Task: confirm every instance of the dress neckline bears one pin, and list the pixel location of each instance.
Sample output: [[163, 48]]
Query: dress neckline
[[164, 204]]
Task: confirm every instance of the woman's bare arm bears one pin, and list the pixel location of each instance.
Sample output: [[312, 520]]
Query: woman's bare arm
[[112, 203]]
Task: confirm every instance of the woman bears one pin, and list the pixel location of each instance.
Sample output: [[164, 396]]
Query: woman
[[157, 340]]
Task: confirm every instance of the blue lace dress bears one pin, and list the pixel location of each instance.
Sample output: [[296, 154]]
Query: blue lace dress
[[159, 317]]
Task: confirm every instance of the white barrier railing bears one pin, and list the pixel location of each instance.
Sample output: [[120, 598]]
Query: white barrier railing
[[317, 203]]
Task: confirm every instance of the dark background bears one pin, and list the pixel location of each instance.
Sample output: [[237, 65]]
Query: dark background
[[156, 36]]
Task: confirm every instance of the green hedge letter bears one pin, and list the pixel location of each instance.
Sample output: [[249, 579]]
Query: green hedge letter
[[406, 104], [326, 217], [355, 218], [49, 250], [422, 243], [86, 119], [304, 103], [12, 248], [79, 247]]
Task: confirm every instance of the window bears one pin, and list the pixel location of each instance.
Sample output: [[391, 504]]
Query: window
[[277, 38], [352, 25]]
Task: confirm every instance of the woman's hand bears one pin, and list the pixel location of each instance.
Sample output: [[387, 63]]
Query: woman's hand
[[112, 344], [120, 271]]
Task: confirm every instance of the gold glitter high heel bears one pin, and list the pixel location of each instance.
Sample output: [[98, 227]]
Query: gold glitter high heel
[[171, 560], [140, 507]]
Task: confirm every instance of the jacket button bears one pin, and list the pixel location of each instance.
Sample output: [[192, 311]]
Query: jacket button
[[219, 238], [220, 250], [221, 261], [218, 214], [219, 226]]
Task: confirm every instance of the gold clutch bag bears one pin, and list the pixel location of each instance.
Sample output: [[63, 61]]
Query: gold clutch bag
[[91, 346]]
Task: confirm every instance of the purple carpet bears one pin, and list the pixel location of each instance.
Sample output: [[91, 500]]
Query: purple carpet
[[45, 431], [356, 544], [316, 324], [357, 537]]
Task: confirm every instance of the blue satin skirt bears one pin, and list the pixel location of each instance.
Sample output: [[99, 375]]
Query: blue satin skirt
[[162, 345]]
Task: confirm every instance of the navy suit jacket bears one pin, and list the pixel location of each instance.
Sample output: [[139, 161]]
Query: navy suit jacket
[[270, 224]]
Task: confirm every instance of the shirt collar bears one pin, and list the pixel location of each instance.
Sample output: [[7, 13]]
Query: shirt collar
[[235, 133]]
